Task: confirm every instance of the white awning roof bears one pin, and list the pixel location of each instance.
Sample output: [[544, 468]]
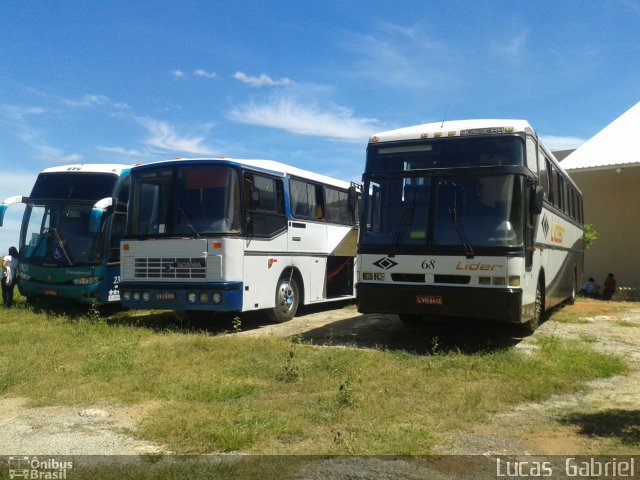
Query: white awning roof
[[614, 146]]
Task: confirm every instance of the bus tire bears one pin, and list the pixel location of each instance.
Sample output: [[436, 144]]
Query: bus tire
[[532, 325], [287, 300]]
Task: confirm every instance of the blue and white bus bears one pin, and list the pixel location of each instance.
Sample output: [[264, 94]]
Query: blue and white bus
[[471, 218], [64, 252], [225, 235]]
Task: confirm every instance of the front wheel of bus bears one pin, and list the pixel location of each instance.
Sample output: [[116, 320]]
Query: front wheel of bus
[[532, 325], [287, 299]]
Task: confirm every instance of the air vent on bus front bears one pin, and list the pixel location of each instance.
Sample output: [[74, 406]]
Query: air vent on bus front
[[153, 268], [408, 277], [453, 279]]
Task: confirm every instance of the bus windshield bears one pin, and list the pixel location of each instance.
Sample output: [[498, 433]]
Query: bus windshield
[[89, 187], [187, 200], [58, 234], [446, 153], [480, 211]]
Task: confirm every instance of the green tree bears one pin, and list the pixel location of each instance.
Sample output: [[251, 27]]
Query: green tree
[[590, 235]]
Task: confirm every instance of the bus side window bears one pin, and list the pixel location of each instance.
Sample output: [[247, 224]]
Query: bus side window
[[264, 204], [306, 200], [337, 205], [544, 177], [553, 184]]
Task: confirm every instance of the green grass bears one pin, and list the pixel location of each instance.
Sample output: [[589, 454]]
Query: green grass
[[226, 393]]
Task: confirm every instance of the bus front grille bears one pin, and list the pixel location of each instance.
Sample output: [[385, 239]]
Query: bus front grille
[[170, 268]]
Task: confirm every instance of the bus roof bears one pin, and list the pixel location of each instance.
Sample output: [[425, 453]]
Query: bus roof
[[268, 166], [114, 168], [453, 128]]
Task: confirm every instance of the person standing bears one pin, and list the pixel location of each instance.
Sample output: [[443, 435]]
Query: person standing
[[609, 287], [9, 276]]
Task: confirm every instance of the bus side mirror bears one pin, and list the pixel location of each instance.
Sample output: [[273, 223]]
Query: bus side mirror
[[8, 202], [98, 210], [537, 201], [352, 200]]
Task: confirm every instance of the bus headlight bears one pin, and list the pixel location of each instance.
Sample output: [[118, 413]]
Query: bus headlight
[[514, 281], [379, 276], [145, 296], [24, 276], [136, 296], [86, 280], [216, 297], [126, 295], [367, 276], [203, 297], [192, 297]]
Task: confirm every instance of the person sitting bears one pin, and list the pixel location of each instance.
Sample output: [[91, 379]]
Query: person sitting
[[590, 289]]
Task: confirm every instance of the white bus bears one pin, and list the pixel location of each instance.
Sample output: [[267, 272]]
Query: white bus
[[225, 235], [470, 218]]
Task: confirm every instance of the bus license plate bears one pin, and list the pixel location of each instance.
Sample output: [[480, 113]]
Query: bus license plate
[[50, 293], [428, 299], [165, 296]]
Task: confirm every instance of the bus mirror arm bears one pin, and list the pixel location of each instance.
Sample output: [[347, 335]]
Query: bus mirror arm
[[537, 200], [99, 209], [352, 199], [10, 201]]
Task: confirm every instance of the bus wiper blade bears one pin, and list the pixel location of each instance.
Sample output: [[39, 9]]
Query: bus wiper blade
[[188, 223], [407, 218], [468, 251], [61, 245]]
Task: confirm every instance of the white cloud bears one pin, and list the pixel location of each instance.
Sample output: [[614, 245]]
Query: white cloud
[[122, 151], [17, 120], [204, 74], [400, 56], [163, 137], [178, 73], [16, 113], [286, 114], [514, 48], [262, 81], [88, 101], [556, 144], [42, 150]]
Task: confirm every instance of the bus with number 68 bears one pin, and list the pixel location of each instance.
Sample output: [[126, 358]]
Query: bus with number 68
[[467, 219]]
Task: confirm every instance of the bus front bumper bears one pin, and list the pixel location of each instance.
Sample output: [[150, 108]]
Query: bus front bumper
[[216, 297], [88, 294], [500, 305]]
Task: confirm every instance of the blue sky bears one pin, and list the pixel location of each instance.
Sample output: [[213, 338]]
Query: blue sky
[[302, 82]]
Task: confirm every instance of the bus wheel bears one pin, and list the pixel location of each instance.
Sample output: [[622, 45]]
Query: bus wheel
[[287, 299], [532, 325]]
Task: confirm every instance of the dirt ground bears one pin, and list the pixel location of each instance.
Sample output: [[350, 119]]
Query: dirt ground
[[566, 424]]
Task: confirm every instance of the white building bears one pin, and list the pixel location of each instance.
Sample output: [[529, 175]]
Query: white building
[[607, 170]]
